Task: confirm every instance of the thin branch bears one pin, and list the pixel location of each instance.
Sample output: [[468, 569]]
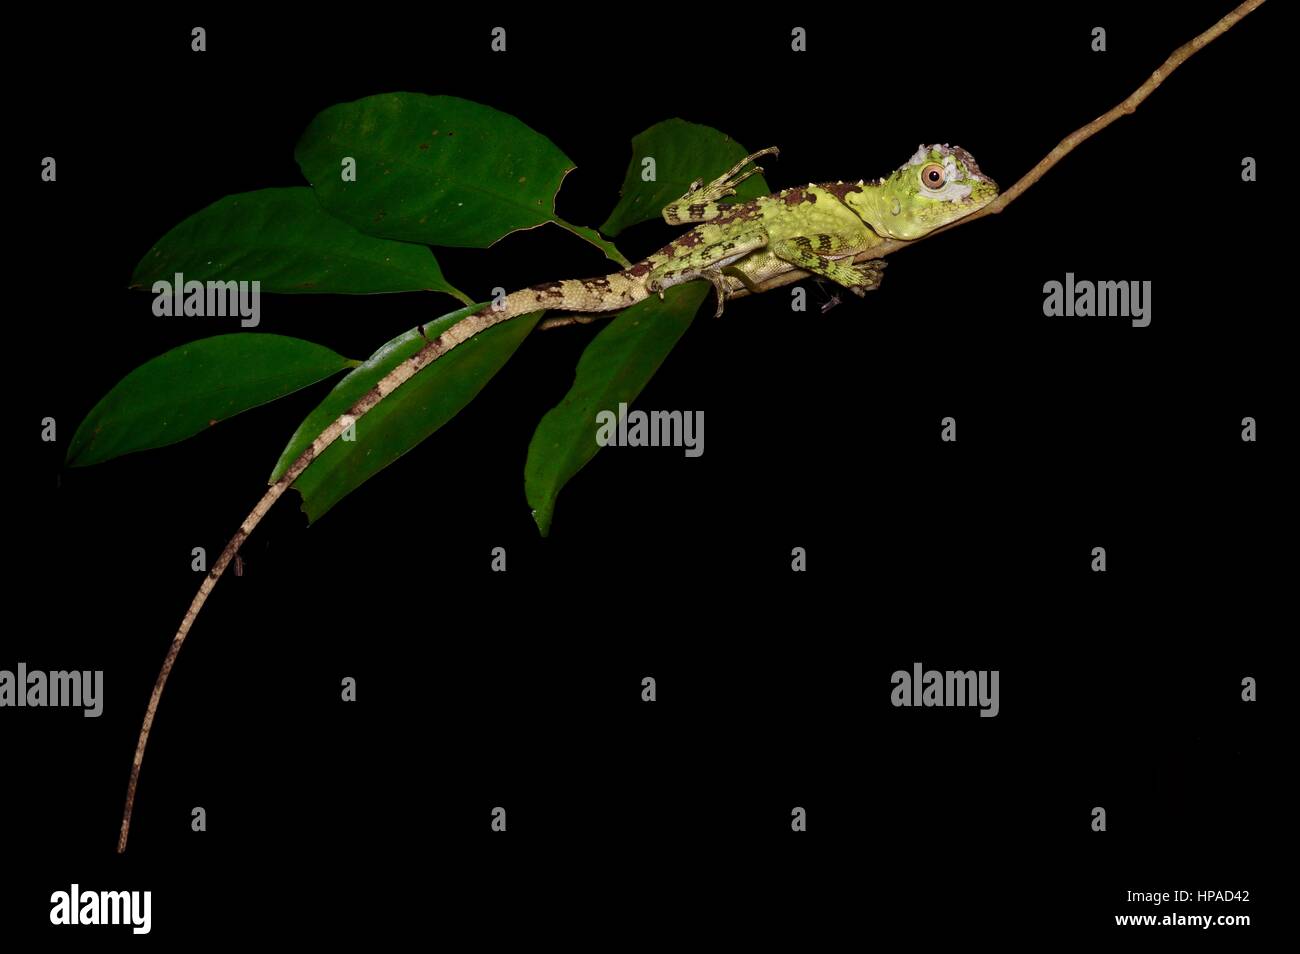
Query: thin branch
[[1063, 148]]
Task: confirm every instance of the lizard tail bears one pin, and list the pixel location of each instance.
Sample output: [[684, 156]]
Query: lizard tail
[[608, 293], [585, 295]]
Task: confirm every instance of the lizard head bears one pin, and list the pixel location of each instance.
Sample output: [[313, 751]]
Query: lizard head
[[938, 185]]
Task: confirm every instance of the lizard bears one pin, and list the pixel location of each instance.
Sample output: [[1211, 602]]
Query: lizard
[[817, 228]]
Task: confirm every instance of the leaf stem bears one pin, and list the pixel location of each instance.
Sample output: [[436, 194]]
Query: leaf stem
[[610, 251]]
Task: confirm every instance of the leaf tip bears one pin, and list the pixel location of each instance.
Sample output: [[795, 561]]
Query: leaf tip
[[542, 517]]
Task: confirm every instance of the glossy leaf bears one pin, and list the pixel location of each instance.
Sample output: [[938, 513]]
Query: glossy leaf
[[285, 240], [614, 368], [682, 152], [188, 389], [406, 416], [435, 169]]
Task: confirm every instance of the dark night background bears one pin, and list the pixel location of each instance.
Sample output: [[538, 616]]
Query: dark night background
[[523, 690]]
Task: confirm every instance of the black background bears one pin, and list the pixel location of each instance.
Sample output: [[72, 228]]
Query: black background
[[522, 689]]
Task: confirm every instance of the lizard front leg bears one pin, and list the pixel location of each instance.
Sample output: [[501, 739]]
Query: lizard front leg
[[823, 254], [706, 262], [700, 203]]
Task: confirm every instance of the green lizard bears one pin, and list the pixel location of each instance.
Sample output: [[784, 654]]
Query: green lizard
[[815, 228]]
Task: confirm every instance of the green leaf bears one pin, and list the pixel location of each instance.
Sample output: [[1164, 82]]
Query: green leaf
[[683, 152], [407, 416], [435, 169], [285, 240], [614, 368], [183, 392]]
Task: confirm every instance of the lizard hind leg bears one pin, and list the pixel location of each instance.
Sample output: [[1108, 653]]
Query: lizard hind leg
[[726, 183], [707, 262], [700, 203]]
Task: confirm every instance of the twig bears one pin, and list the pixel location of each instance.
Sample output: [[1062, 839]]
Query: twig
[[1066, 146]]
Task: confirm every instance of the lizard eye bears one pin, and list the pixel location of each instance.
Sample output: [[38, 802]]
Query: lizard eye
[[932, 176]]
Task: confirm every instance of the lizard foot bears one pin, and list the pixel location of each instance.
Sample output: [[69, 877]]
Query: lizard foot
[[869, 275], [714, 275], [657, 285], [726, 183]]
